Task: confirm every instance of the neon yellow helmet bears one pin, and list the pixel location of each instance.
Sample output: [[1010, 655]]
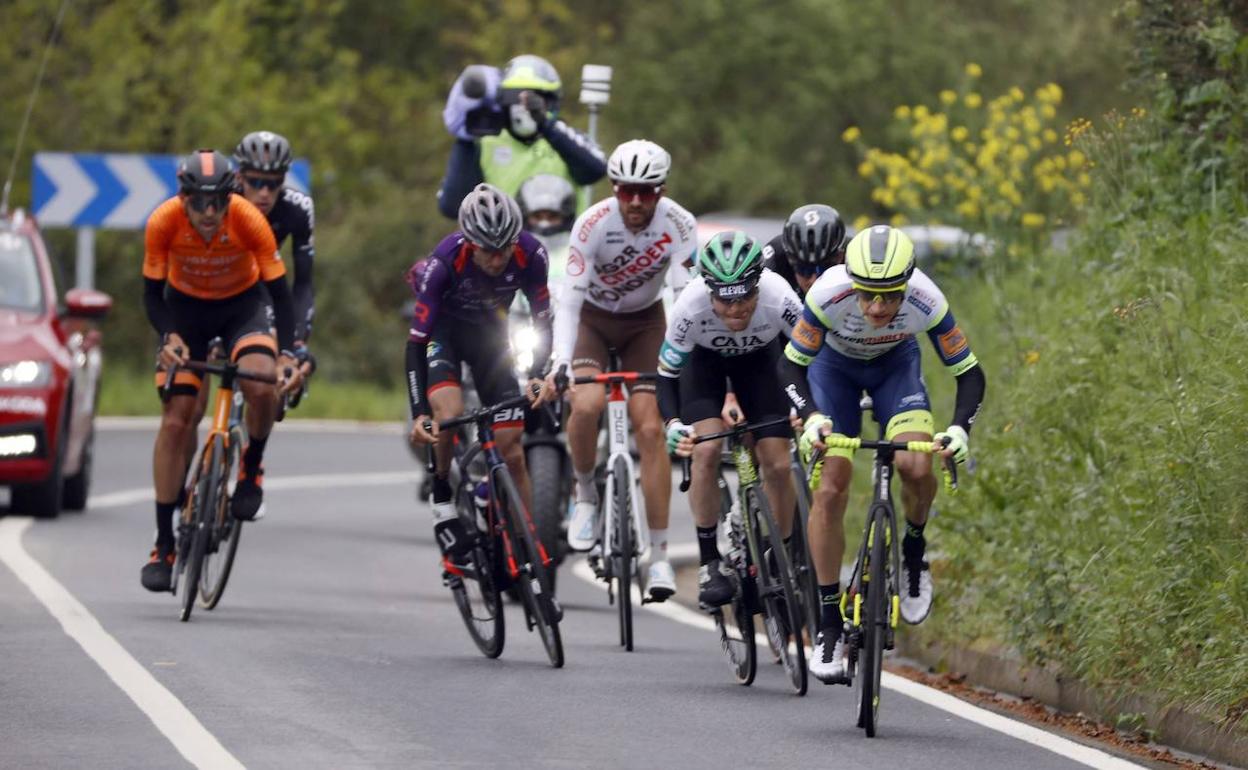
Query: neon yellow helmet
[[880, 258]]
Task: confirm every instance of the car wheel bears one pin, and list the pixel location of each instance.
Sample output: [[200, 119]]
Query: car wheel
[[74, 497], [44, 498]]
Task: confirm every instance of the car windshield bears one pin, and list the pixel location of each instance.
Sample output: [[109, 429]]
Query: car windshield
[[19, 274]]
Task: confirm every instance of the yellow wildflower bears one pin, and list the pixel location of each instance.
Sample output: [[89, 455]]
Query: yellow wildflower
[[862, 222], [1076, 159], [897, 220], [974, 70], [921, 112], [948, 97], [959, 134], [973, 100], [1017, 94], [1049, 135], [1031, 359], [866, 169], [901, 112], [1033, 220], [851, 134]]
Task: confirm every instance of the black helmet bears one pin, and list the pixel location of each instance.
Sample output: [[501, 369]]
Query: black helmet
[[813, 235], [547, 192], [263, 151], [205, 171], [490, 218]]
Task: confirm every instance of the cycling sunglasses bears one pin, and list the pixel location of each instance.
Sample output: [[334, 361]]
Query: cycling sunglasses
[[201, 201], [646, 192], [262, 183], [806, 269], [886, 298]]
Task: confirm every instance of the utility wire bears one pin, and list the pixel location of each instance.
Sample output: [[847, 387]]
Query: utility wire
[[30, 106]]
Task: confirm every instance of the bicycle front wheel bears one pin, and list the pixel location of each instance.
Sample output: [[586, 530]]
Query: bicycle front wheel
[[874, 627], [622, 549], [203, 503], [225, 531], [782, 606], [736, 636], [533, 581], [474, 586]]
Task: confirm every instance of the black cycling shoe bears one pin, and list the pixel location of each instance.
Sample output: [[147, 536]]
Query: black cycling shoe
[[453, 538], [248, 501], [157, 574], [715, 584]]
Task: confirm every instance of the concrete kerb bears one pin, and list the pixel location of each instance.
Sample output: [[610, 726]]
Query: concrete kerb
[[996, 670]]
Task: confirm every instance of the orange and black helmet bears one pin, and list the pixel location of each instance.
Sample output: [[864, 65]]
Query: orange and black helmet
[[205, 171]]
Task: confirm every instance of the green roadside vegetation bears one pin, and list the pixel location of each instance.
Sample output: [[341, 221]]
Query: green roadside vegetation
[[1104, 531]]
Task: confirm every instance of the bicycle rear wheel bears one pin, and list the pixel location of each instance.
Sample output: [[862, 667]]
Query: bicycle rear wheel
[[203, 502], [225, 531], [622, 549], [736, 636], [781, 604], [534, 579], [874, 628]]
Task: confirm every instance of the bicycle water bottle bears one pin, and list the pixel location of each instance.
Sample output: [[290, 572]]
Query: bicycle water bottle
[[481, 498]]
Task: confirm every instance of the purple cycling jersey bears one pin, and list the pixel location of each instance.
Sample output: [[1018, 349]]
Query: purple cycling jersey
[[447, 282]]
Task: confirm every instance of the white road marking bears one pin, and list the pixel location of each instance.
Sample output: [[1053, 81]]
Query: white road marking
[[290, 425], [1024, 732], [168, 714], [126, 497]]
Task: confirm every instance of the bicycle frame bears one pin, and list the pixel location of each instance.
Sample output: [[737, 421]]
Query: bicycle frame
[[617, 447], [495, 465]]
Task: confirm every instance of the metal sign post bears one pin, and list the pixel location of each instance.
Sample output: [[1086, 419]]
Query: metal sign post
[[595, 94], [112, 191]]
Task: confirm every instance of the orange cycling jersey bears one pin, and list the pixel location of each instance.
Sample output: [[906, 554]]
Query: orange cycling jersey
[[242, 251]]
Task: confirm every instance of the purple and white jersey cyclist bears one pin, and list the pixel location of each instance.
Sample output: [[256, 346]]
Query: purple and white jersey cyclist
[[447, 283]]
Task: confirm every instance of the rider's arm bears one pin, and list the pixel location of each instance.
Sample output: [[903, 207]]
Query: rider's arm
[[586, 163], [537, 292], [576, 282], [955, 352], [417, 376], [157, 236], [677, 345], [154, 303], [804, 344], [283, 312], [304, 246], [463, 172]]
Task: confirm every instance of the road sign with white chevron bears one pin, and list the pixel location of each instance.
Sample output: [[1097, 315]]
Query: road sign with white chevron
[[112, 191]]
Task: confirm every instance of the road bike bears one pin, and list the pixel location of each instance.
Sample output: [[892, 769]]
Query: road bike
[[764, 569], [207, 535], [871, 605], [622, 529], [505, 551]]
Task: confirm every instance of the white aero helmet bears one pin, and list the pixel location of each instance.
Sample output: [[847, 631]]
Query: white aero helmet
[[639, 161]]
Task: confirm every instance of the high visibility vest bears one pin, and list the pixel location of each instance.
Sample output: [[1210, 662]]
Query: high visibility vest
[[506, 161]]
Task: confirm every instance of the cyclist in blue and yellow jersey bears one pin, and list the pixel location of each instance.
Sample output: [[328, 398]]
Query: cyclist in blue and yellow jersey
[[867, 313], [527, 138], [463, 289]]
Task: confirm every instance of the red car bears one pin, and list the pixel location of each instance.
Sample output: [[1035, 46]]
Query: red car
[[49, 376]]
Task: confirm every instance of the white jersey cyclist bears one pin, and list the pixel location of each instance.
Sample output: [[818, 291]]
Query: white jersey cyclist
[[694, 323], [620, 271], [924, 309]]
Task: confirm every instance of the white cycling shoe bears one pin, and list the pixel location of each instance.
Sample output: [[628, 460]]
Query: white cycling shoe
[[916, 594], [661, 581], [583, 526], [827, 660]]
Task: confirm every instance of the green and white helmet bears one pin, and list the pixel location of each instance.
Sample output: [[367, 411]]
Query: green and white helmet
[[731, 263]]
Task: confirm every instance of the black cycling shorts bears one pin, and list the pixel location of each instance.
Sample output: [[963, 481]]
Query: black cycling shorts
[[755, 381], [486, 349], [244, 323]]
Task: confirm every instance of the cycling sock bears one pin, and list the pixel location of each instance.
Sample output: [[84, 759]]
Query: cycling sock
[[830, 607], [585, 488], [252, 456], [441, 489], [913, 545], [708, 546], [658, 545], [164, 523]]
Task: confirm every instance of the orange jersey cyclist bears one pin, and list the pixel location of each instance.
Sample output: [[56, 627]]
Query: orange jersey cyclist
[[864, 315], [463, 290], [207, 252]]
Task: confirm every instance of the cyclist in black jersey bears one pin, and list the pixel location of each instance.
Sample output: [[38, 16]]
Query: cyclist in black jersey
[[813, 240], [263, 158]]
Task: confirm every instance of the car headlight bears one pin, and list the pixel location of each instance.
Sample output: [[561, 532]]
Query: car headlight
[[25, 374]]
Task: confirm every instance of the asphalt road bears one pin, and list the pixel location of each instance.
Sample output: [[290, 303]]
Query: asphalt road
[[336, 646]]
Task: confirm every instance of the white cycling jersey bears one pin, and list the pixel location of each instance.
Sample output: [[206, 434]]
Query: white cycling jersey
[[618, 270], [832, 301], [695, 324]]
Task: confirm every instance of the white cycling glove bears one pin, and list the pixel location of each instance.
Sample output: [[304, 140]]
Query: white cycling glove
[[676, 430], [959, 441], [816, 425]]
